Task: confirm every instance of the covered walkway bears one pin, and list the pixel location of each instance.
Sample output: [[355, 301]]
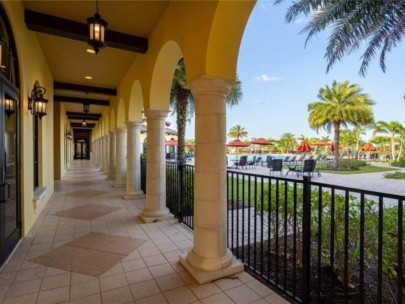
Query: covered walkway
[[89, 246]]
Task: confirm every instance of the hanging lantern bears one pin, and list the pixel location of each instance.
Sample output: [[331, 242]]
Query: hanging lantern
[[86, 107], [97, 26], [9, 107], [37, 102]]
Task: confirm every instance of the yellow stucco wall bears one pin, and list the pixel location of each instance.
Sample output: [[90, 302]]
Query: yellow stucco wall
[[33, 67]]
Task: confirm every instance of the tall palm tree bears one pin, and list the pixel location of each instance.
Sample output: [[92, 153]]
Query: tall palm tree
[[182, 104], [287, 141], [378, 23], [340, 105], [237, 132], [391, 128]]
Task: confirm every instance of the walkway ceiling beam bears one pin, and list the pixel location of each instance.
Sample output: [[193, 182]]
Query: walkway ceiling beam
[[57, 26], [79, 125], [84, 88], [81, 117], [93, 115], [97, 102]]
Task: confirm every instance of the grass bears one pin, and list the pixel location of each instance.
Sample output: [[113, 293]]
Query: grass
[[395, 175], [362, 169]]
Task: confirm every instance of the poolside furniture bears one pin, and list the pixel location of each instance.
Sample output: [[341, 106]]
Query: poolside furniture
[[292, 160], [267, 161], [242, 162], [308, 168], [258, 160], [286, 159], [251, 163], [276, 165], [300, 159]]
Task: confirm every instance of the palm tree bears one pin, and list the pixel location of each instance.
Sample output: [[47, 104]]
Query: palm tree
[[392, 129], [287, 141], [340, 105], [182, 103], [378, 23], [237, 132]]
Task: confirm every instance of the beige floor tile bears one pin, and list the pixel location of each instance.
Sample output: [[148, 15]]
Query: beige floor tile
[[29, 274], [276, 299], [261, 289], [228, 283], [161, 270], [87, 212], [169, 282], [113, 282], [23, 288], [84, 261], [117, 296], [155, 260], [56, 281], [84, 289], [51, 271], [52, 296], [219, 298], [133, 265], [242, 294], [156, 299], [79, 278], [137, 276], [25, 299], [205, 290], [6, 278], [144, 289], [165, 248], [180, 295], [261, 301], [245, 277], [187, 278], [93, 299], [173, 256], [117, 269], [107, 243]]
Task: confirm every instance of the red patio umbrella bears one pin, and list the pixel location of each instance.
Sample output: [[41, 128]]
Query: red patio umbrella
[[174, 142], [368, 147], [261, 142], [304, 147], [237, 143], [320, 143]]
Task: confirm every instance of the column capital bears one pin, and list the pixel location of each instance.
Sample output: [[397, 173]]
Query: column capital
[[210, 85], [120, 129], [156, 113], [133, 124]]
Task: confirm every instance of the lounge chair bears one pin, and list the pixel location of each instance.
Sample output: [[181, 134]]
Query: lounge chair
[[251, 163], [267, 161], [286, 159], [292, 160], [300, 159], [258, 160], [242, 162], [276, 165], [308, 168]]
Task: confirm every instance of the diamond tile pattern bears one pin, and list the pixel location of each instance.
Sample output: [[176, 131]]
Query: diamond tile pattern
[[87, 212], [86, 194]]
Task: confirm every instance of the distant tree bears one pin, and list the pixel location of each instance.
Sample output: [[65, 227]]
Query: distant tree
[[182, 104], [342, 104], [380, 24], [287, 142], [392, 128], [237, 132]]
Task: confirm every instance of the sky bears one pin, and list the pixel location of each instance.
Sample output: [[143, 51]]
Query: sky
[[280, 77]]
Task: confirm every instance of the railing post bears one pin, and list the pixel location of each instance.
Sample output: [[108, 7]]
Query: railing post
[[306, 241], [180, 206]]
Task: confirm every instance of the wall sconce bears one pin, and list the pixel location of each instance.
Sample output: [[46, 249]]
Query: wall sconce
[[9, 106], [69, 135], [84, 123], [37, 102]]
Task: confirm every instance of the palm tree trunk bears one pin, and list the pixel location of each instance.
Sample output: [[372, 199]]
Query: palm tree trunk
[[182, 103], [357, 147], [400, 149], [336, 143], [392, 147]]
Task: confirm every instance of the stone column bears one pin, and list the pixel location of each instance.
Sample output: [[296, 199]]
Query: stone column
[[95, 150], [112, 155], [106, 152], [133, 190], [210, 258], [120, 157], [155, 205], [100, 153]]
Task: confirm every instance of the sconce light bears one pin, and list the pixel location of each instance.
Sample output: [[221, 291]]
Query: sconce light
[[9, 107], [69, 134], [84, 123], [97, 26], [37, 102]]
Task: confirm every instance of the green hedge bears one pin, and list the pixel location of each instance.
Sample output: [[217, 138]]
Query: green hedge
[[399, 163], [347, 165]]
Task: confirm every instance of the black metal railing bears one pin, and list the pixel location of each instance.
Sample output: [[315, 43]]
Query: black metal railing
[[143, 174], [315, 242]]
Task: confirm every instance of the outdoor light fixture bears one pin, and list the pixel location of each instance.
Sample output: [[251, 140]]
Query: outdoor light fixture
[[86, 106], [9, 107], [84, 123], [37, 102], [69, 134], [97, 26]]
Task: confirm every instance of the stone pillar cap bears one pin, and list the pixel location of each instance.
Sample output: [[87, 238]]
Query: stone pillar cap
[[156, 113]]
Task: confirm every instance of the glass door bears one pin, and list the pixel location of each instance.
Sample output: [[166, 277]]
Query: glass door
[[10, 219]]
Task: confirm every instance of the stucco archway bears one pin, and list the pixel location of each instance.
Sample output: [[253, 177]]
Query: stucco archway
[[121, 113], [135, 104]]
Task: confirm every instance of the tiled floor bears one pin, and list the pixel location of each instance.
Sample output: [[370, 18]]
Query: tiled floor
[[149, 274]]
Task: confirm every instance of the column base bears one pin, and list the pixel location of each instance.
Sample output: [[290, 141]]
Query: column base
[[133, 195], [111, 177], [119, 185], [152, 219], [203, 276]]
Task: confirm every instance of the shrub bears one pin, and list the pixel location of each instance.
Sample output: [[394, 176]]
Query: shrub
[[399, 163], [395, 175], [348, 165]]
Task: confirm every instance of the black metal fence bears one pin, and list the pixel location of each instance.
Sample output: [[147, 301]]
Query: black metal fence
[[315, 242], [143, 174]]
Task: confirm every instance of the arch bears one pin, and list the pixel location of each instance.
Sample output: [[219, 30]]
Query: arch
[[112, 120], [223, 44], [135, 103], [106, 124], [121, 113], [163, 71]]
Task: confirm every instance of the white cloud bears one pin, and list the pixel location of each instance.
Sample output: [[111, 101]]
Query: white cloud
[[258, 101], [266, 78], [301, 20]]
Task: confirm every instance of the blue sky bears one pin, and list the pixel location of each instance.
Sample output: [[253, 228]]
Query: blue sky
[[280, 76]]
